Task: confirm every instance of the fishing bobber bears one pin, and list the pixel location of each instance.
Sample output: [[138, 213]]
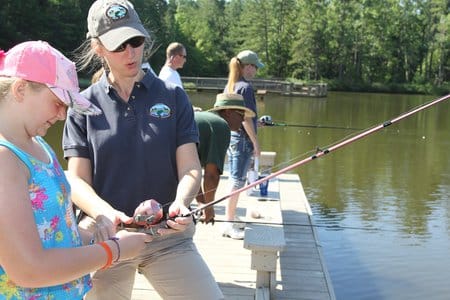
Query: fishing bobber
[[266, 162], [253, 213]]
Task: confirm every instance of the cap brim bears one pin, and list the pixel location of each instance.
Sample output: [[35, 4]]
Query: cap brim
[[112, 39], [259, 64], [77, 102], [248, 112]]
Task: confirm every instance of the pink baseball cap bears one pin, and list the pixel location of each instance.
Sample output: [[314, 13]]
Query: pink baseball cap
[[39, 62]]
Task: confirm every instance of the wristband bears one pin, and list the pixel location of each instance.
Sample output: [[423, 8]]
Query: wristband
[[108, 254], [115, 240]]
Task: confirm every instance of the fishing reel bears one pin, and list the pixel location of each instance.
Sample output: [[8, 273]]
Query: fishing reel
[[149, 212], [266, 120], [148, 218]]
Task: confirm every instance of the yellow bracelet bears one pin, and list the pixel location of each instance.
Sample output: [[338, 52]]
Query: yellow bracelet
[[108, 253]]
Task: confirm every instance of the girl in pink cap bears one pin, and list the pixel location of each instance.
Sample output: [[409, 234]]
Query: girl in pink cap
[[42, 254]]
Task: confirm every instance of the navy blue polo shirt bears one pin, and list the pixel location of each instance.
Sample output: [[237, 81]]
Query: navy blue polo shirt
[[244, 88], [132, 145]]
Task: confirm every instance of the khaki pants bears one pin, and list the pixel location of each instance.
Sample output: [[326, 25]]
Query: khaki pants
[[172, 265]]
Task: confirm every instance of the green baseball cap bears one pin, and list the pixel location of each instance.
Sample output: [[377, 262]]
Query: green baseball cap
[[249, 57]]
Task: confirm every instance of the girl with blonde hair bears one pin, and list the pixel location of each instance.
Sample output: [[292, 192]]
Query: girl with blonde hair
[[244, 142]]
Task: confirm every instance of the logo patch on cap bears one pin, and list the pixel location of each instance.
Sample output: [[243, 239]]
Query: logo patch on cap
[[160, 111], [116, 12]]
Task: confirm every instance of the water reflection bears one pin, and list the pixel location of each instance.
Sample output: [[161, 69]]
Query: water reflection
[[403, 166], [393, 185]]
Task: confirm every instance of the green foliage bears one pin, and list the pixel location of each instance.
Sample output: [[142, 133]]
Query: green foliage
[[202, 22], [376, 45], [153, 14], [23, 20]]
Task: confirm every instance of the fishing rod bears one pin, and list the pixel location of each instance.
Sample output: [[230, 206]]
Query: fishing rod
[[155, 224], [321, 152], [267, 121]]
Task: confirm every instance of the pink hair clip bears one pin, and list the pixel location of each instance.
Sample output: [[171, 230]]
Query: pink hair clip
[[2, 58]]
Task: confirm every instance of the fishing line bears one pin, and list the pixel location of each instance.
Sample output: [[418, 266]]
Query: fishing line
[[321, 152], [334, 227], [289, 161], [301, 156], [317, 153], [266, 121], [313, 126]]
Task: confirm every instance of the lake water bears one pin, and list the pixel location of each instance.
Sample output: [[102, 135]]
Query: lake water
[[381, 204]]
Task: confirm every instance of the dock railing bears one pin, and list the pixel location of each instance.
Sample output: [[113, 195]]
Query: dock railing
[[261, 85]]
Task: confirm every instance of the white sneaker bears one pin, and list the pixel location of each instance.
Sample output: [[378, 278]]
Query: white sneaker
[[239, 224], [230, 231]]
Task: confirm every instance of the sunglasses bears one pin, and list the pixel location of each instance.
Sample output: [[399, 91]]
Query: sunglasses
[[133, 42]]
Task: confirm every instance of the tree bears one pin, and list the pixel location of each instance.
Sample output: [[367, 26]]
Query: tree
[[352, 42], [308, 50], [202, 23]]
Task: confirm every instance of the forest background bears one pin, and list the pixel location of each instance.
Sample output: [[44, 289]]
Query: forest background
[[364, 45]]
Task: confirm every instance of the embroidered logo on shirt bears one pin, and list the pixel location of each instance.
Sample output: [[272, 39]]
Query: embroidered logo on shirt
[[160, 111]]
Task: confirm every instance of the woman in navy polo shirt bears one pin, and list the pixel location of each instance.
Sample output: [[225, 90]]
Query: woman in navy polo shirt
[[142, 147]]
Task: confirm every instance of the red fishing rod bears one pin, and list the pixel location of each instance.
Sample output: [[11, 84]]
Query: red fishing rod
[[321, 152]]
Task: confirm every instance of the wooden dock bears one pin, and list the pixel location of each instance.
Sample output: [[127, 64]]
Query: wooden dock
[[300, 269], [273, 86]]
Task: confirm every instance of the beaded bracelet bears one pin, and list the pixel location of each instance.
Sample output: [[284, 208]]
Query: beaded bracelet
[[108, 254], [115, 240]]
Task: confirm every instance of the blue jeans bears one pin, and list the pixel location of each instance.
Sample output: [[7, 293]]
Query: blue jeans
[[240, 153]]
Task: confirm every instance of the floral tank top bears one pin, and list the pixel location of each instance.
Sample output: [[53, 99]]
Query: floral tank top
[[55, 221]]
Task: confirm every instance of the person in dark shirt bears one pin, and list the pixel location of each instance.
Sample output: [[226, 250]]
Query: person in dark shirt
[[142, 147], [214, 128]]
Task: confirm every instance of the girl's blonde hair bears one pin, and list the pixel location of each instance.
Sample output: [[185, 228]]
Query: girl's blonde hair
[[6, 82], [235, 73], [5, 86]]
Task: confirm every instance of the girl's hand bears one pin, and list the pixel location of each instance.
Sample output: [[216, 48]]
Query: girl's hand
[[131, 243], [105, 224]]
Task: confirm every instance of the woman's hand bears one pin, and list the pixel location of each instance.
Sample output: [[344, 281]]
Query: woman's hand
[[178, 224], [150, 210]]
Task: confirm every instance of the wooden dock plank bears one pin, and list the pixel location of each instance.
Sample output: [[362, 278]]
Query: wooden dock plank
[[301, 273], [301, 240]]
